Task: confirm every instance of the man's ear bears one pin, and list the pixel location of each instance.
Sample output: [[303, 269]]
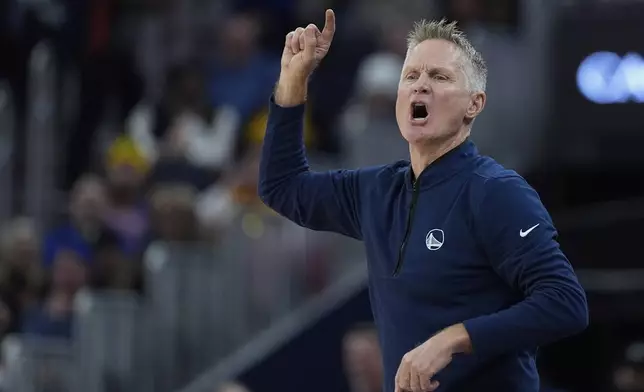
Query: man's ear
[[477, 102]]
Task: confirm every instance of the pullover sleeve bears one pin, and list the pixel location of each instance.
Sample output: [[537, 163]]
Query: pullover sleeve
[[519, 239], [324, 201]]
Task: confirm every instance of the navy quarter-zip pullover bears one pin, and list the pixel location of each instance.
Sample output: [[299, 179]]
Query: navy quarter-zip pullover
[[467, 242]]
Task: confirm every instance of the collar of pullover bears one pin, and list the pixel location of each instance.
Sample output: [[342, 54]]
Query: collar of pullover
[[444, 167]]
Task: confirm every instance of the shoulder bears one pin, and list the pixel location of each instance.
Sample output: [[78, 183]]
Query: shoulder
[[489, 171], [506, 209], [493, 185], [501, 198]]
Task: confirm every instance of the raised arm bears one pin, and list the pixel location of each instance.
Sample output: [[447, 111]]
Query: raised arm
[[326, 201]]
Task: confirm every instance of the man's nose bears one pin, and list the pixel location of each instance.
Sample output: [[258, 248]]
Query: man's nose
[[423, 89], [422, 85]]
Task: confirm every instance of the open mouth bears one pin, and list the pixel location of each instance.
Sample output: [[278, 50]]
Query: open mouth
[[419, 111]]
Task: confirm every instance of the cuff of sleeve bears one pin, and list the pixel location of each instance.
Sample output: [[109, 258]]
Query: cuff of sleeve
[[482, 335], [281, 114]]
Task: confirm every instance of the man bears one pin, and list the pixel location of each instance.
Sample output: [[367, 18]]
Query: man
[[466, 278]]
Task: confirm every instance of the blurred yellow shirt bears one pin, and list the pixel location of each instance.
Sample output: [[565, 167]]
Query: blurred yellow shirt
[[256, 128]]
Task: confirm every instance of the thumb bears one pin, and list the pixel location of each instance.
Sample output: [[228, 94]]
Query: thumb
[[329, 26], [310, 41]]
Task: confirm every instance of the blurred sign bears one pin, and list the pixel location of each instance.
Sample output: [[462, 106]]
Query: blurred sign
[[597, 79], [608, 78]]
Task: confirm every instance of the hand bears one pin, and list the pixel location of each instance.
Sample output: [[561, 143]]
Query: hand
[[303, 50], [306, 47], [421, 364]]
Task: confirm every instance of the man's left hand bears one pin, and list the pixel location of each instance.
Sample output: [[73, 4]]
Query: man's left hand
[[421, 364]]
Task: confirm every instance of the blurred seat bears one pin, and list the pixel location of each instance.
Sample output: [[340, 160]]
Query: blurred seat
[[36, 364], [193, 307], [109, 342]]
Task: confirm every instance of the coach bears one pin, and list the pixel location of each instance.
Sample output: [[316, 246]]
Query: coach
[[466, 278]]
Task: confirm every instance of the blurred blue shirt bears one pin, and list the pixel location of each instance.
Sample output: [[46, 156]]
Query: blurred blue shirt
[[38, 321], [69, 237], [244, 88]]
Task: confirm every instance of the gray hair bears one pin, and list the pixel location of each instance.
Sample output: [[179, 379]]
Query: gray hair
[[474, 66]]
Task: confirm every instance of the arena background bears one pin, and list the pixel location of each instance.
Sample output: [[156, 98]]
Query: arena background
[[135, 255]]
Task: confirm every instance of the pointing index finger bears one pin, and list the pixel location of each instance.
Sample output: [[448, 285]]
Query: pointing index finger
[[329, 25]]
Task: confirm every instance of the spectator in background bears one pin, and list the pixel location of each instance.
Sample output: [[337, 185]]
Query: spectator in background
[[93, 38], [173, 215], [367, 122], [21, 277], [20, 243], [362, 359], [126, 212], [275, 15], [218, 205], [53, 317], [84, 228], [113, 269], [183, 135], [252, 134], [242, 75]]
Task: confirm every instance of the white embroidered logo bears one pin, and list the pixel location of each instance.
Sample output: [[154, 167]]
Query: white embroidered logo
[[435, 239], [523, 233]]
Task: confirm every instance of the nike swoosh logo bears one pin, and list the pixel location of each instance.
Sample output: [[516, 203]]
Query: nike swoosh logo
[[526, 232]]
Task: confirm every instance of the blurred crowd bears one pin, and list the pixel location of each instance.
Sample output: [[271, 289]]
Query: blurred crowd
[[163, 146]]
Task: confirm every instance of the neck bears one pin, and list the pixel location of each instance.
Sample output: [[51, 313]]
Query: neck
[[423, 155]]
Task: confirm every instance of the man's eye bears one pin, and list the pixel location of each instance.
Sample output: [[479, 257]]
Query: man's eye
[[411, 77], [440, 77]]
